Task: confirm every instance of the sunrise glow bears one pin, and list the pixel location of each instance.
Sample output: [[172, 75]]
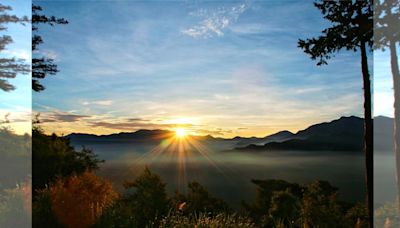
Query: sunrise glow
[[180, 132]]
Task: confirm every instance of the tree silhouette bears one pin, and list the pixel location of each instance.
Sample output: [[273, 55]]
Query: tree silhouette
[[265, 191], [198, 200], [10, 67], [149, 200], [352, 29], [53, 157], [320, 207], [284, 207], [42, 66], [386, 35]]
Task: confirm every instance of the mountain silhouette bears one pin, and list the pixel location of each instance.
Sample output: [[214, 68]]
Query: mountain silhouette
[[123, 137], [344, 134]]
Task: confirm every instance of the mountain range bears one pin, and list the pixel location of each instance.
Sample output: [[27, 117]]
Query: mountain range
[[343, 134]]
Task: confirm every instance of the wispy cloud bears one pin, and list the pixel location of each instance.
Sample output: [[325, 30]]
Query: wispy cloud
[[133, 125], [214, 132], [61, 117], [252, 80], [214, 22], [99, 102]]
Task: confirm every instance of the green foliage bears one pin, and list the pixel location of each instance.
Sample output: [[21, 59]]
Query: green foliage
[[320, 207], [148, 202], [388, 215], [54, 157], [265, 191], [282, 204], [357, 216], [203, 220], [199, 200], [284, 208]]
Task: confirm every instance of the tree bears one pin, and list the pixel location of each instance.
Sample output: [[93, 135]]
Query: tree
[[386, 35], [42, 66], [265, 192], [284, 207], [54, 157], [148, 202], [352, 29], [10, 67], [198, 200], [80, 200], [357, 216], [320, 207]]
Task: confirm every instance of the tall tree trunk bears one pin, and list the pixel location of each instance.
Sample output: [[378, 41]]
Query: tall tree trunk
[[368, 133], [396, 136]]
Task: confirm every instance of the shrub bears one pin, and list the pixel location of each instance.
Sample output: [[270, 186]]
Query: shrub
[[387, 216], [15, 206], [204, 220], [80, 200]]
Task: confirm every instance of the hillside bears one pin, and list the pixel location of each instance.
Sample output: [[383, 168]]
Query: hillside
[[344, 134]]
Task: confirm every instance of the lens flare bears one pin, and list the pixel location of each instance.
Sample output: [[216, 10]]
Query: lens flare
[[180, 132]]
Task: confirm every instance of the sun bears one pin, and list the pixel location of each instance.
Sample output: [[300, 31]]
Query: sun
[[180, 132]]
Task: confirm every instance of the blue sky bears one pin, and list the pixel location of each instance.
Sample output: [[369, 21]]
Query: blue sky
[[224, 68], [18, 102]]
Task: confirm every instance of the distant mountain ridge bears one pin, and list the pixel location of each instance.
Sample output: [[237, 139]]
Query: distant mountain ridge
[[143, 135], [140, 135], [276, 137], [343, 134]]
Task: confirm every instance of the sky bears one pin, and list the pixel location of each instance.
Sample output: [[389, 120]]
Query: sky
[[16, 106], [223, 68]]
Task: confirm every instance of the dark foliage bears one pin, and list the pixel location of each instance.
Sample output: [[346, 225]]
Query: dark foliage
[[198, 200], [148, 202], [41, 66], [279, 203], [387, 23], [351, 27], [265, 191], [54, 157], [117, 216], [42, 213]]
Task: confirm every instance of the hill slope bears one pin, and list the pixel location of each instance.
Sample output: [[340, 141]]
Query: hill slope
[[344, 134]]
